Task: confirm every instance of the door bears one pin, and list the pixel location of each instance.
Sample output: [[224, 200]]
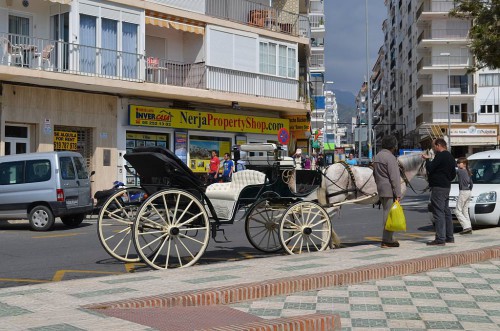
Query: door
[[83, 181], [69, 181], [16, 139]]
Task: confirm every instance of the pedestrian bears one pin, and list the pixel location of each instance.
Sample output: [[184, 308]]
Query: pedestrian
[[351, 160], [213, 170], [465, 186], [227, 168], [307, 163], [388, 180], [320, 162], [299, 159], [441, 171]]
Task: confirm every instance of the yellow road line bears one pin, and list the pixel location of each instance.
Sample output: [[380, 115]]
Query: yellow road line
[[374, 238], [58, 276], [130, 266], [59, 235], [23, 280]]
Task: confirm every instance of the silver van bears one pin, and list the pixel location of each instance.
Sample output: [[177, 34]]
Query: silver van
[[42, 186]]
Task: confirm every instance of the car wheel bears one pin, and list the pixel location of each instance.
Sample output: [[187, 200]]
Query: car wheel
[[72, 221], [41, 218]]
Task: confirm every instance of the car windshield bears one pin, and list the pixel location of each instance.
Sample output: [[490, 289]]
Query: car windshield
[[485, 171]]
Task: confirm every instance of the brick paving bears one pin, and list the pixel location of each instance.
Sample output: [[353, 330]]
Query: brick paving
[[413, 287]]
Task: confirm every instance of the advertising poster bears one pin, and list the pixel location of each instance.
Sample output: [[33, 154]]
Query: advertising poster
[[200, 153], [181, 145]]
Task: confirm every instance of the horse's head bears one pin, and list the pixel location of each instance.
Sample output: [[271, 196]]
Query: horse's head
[[413, 165]]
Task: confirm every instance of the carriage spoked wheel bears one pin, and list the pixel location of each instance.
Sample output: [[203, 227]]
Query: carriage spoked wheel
[[262, 226], [171, 230], [114, 225], [305, 227]]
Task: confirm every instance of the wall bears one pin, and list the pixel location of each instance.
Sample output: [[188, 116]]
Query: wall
[[32, 105]]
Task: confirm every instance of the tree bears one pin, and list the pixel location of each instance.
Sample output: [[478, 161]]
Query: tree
[[485, 30]]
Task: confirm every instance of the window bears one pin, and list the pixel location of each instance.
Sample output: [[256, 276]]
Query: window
[[80, 168], [488, 109], [88, 43], [12, 173], [489, 80], [37, 171], [67, 170], [454, 109], [109, 52], [19, 25], [273, 56], [130, 59]]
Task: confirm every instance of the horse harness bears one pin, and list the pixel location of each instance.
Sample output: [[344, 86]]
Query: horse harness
[[347, 190]]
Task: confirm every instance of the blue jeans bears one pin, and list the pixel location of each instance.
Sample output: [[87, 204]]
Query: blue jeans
[[443, 223]]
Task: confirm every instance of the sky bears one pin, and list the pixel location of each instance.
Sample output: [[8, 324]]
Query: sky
[[345, 41]]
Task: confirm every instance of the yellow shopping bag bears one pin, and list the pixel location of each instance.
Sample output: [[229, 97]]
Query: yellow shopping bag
[[396, 220]]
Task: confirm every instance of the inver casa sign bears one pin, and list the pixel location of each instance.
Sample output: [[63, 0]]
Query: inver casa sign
[[185, 119]]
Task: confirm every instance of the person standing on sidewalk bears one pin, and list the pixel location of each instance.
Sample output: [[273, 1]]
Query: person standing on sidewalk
[[213, 170], [388, 180], [465, 186], [228, 168], [441, 171]]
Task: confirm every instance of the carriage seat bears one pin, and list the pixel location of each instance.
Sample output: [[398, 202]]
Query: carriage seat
[[231, 190]]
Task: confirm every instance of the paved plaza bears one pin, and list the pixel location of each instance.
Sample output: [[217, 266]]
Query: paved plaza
[[366, 287]]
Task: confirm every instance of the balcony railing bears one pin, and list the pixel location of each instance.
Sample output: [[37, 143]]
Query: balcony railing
[[442, 61], [317, 61], [443, 34], [68, 58], [438, 6], [196, 6], [317, 21], [442, 89], [258, 15], [442, 117]]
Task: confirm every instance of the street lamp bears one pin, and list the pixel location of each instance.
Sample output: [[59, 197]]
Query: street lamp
[[368, 96], [449, 119]]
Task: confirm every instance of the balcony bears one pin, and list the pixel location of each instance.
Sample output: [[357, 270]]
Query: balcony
[[435, 6], [443, 34], [34, 54], [257, 15], [426, 62], [442, 117], [317, 62], [442, 89]]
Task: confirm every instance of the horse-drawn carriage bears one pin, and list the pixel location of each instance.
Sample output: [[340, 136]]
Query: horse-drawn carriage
[[172, 226]]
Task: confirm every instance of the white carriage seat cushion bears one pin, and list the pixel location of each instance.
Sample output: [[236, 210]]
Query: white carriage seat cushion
[[231, 190]]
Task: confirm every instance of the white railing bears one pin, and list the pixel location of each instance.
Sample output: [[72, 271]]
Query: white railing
[[220, 79], [317, 21], [442, 6], [197, 6], [317, 61]]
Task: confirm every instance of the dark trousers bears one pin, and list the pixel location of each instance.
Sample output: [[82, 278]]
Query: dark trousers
[[212, 178], [443, 223]]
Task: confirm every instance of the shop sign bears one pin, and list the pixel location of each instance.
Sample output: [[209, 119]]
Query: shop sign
[[65, 140], [144, 136], [473, 131], [299, 125], [186, 119]]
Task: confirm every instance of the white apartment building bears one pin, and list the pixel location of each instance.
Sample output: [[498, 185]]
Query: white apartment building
[[103, 77], [427, 89]]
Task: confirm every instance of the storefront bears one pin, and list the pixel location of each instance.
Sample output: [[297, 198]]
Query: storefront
[[300, 133], [192, 135]]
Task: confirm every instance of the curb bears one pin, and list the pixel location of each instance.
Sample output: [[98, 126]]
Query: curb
[[289, 285]]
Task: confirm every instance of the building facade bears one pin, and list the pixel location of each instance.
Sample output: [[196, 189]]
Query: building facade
[[427, 90], [103, 77]]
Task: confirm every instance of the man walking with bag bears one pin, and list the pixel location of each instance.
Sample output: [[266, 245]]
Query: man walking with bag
[[441, 172], [388, 180]]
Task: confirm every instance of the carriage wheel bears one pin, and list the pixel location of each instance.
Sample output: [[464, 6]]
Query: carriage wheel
[[262, 227], [305, 227], [114, 225], [171, 230]]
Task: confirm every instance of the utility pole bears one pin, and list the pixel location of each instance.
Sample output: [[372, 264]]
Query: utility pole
[[368, 96]]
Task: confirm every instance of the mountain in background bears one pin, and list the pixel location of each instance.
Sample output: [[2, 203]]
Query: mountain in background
[[346, 106]]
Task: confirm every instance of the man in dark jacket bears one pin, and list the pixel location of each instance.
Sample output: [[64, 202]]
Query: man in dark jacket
[[388, 180], [441, 171]]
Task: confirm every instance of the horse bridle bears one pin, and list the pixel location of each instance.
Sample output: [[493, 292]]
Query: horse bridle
[[347, 190]]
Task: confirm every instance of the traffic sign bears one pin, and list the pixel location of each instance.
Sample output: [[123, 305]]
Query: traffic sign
[[283, 136]]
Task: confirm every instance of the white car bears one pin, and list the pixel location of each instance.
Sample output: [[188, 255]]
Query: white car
[[484, 206]]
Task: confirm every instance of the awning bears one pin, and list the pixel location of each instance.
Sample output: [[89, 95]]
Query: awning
[[167, 21], [64, 2]]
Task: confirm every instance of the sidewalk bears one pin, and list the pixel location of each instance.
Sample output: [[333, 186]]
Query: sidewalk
[[414, 287]]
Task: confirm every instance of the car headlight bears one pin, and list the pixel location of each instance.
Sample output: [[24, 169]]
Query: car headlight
[[487, 197]]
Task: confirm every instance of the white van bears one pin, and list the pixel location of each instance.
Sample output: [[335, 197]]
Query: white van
[[42, 186], [484, 207]]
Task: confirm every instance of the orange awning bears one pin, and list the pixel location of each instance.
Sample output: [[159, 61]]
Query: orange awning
[[165, 23]]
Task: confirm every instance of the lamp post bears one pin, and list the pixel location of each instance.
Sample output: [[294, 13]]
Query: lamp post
[[368, 96], [449, 119]]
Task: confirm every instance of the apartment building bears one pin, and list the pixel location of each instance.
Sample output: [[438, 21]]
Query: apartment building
[[427, 89], [317, 72], [103, 77]]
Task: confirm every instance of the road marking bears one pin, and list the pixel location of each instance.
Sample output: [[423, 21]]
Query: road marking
[[130, 266], [59, 235], [374, 238], [59, 275], [247, 255], [23, 280]]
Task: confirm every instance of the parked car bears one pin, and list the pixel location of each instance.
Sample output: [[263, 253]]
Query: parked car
[[484, 206], [42, 186]]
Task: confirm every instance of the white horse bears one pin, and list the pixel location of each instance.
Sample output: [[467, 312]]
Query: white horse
[[356, 184]]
